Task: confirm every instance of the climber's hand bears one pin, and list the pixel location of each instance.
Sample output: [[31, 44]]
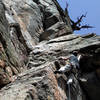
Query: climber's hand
[[63, 58]]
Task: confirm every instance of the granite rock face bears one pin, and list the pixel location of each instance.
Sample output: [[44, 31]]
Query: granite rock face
[[33, 35], [34, 17], [10, 54], [22, 23], [40, 83]]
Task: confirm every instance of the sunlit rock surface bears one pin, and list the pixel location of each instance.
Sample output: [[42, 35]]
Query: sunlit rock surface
[[33, 35]]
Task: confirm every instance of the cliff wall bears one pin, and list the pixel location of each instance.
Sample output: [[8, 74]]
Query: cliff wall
[[33, 35]]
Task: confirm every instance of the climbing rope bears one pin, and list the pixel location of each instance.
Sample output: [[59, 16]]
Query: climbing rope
[[77, 88], [69, 91]]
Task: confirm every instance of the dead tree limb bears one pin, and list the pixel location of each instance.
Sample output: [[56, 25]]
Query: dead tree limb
[[77, 25]]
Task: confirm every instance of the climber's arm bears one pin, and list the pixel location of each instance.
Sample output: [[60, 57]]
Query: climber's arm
[[63, 69], [63, 58]]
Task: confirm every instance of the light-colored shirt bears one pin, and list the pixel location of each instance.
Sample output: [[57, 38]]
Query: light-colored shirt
[[65, 68], [74, 61]]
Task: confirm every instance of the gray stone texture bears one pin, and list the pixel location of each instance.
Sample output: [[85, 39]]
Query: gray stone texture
[[33, 35]]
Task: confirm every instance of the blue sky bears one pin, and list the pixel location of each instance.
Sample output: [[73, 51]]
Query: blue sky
[[79, 7]]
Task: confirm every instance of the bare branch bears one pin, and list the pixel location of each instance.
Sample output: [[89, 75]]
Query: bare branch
[[67, 4], [72, 21], [87, 26], [79, 19], [77, 25]]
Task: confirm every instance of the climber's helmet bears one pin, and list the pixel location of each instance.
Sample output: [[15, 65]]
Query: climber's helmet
[[75, 53]]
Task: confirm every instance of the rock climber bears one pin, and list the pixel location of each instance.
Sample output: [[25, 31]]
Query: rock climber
[[72, 78], [73, 63]]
